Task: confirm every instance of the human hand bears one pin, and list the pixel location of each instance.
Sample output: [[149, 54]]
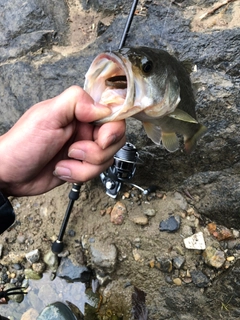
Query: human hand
[[43, 149]]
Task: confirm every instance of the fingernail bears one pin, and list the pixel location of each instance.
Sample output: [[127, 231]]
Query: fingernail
[[77, 154], [109, 141], [62, 172]]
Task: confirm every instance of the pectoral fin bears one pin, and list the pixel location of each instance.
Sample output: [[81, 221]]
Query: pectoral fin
[[153, 132], [170, 141], [181, 115]]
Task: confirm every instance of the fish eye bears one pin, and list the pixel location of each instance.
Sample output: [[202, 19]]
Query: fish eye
[[147, 66]]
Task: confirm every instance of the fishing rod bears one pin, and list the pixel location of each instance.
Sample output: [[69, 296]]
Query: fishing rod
[[57, 246], [128, 24]]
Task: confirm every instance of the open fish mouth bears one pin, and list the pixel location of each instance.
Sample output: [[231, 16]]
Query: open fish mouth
[[110, 81]]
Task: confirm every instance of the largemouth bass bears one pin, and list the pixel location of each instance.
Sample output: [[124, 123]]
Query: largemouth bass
[[151, 86]]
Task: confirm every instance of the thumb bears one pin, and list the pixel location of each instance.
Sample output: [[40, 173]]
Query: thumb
[[74, 102]]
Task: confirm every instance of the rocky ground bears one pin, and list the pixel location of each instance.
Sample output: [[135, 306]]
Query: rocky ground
[[47, 48]]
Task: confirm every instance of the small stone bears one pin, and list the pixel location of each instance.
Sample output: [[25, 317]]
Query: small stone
[[186, 231], [199, 279], [21, 238], [118, 213], [109, 210], [178, 262], [179, 250], [236, 233], [190, 212], [65, 253], [159, 194], [187, 279], [171, 224], [103, 256], [220, 232], [38, 267], [103, 212], [126, 195], [212, 227], [12, 275], [196, 242], [25, 283], [31, 274], [33, 256], [152, 263], [17, 266], [177, 281], [164, 264], [141, 220], [232, 258], [71, 233], [51, 260], [168, 279], [214, 257], [136, 255], [150, 212]]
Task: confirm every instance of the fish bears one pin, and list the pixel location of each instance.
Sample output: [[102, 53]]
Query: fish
[[150, 85]]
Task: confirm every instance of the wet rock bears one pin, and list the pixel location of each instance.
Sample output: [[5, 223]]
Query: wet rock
[[33, 256], [25, 283], [69, 271], [199, 278], [15, 297], [118, 213], [51, 259], [214, 257], [30, 314], [56, 311], [171, 224], [195, 242], [103, 256], [164, 264], [31, 274]]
